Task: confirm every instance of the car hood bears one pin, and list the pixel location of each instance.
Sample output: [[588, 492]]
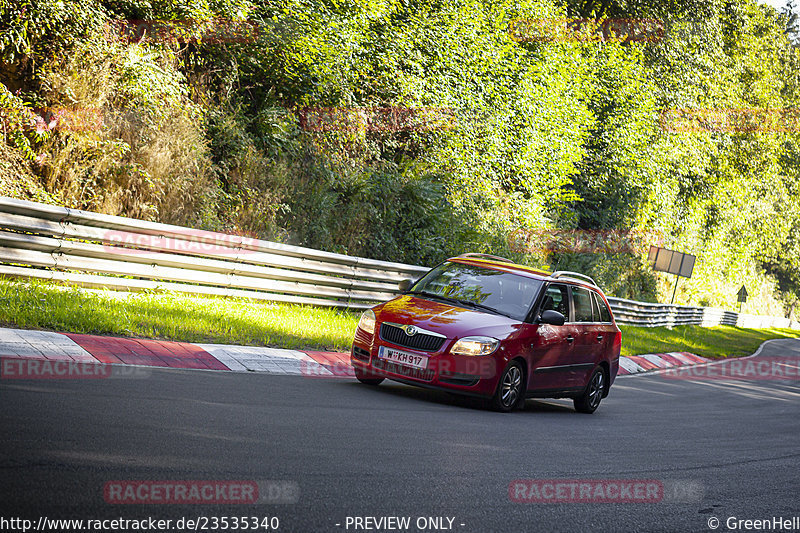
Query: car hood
[[449, 320]]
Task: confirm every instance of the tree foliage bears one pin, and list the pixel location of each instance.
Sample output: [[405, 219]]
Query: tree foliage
[[211, 129]]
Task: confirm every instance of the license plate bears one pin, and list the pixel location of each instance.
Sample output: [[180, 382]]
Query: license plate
[[403, 358]]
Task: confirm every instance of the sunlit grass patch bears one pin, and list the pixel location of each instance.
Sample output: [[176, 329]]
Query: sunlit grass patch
[[715, 343], [41, 305], [179, 317]]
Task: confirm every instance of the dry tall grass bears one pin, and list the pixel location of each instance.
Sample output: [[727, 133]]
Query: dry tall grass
[[148, 159]]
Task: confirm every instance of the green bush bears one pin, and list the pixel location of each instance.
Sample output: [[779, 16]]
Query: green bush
[[532, 134]]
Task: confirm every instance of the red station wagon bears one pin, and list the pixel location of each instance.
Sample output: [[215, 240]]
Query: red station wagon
[[483, 326]]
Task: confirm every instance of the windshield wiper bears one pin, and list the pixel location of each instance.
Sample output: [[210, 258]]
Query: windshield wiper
[[486, 307], [437, 296], [425, 293], [459, 302]]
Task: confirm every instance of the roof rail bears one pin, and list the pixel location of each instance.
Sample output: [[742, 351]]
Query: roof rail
[[573, 275], [486, 256]]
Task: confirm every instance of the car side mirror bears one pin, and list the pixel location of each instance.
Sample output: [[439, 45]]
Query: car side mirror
[[405, 285], [554, 318]]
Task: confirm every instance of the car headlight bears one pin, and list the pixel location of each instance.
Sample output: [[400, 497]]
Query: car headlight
[[367, 322], [475, 346]]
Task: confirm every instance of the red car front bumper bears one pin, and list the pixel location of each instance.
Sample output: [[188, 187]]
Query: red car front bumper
[[475, 376]]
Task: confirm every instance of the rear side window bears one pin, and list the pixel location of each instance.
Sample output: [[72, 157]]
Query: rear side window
[[556, 298], [605, 314], [582, 300]]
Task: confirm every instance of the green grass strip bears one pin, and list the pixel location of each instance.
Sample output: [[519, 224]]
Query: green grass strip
[[169, 316], [718, 342], [51, 306]]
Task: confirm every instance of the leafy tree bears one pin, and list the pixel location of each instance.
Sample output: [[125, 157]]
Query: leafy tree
[[563, 134]]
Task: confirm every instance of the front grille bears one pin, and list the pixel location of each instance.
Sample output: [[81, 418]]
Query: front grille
[[361, 354], [402, 370], [420, 341]]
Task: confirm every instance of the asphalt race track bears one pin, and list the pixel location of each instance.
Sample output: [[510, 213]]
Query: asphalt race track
[[722, 448]]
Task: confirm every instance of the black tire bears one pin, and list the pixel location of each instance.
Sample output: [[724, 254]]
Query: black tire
[[589, 400], [510, 389], [367, 378]]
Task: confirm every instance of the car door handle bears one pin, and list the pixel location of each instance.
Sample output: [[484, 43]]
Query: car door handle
[[599, 338], [570, 338]]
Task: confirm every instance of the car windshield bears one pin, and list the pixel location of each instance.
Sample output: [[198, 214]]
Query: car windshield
[[491, 290]]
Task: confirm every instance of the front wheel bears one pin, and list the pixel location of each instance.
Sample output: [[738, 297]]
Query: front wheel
[[510, 390], [589, 400]]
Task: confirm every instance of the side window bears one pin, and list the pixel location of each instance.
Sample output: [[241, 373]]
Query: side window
[[556, 298], [605, 314], [582, 300]]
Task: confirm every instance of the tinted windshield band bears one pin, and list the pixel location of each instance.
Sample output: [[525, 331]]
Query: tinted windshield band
[[480, 288]]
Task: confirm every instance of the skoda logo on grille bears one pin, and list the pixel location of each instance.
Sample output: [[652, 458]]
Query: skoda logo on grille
[[411, 331]]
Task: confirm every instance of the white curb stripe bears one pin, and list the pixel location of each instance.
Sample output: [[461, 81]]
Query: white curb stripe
[[657, 360], [630, 365], [41, 345], [260, 359], [679, 356]]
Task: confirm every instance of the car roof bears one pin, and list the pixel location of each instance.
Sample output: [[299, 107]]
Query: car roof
[[523, 270]]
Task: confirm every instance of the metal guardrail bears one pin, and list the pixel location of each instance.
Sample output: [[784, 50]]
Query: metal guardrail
[[635, 313], [95, 250], [103, 251]]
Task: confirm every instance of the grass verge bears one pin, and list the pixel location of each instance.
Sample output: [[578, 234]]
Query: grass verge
[[178, 317], [50, 306], [715, 343]]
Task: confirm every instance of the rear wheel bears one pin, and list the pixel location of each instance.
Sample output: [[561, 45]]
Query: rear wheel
[[367, 378], [510, 390], [589, 400]]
